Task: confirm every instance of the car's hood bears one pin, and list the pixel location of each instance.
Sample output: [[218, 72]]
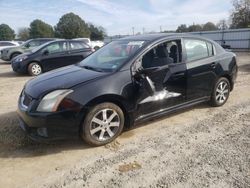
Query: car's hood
[[62, 78], [21, 56]]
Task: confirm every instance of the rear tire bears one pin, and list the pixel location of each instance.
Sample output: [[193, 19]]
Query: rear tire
[[34, 69], [103, 124], [221, 92]]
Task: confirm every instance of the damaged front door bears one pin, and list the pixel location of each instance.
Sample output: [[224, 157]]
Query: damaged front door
[[162, 79]]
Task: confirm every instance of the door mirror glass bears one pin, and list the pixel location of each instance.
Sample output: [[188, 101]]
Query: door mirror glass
[[27, 45]]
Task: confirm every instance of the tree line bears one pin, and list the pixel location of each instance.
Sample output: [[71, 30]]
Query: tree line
[[239, 18], [69, 26]]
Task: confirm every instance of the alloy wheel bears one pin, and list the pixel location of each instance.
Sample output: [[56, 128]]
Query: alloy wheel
[[36, 69], [105, 124], [222, 92]]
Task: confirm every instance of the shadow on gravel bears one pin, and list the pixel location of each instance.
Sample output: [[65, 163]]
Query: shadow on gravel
[[15, 143], [5, 63], [11, 74], [244, 68]]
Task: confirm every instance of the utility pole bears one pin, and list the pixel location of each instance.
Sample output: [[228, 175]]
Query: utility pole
[[133, 30], [160, 29]]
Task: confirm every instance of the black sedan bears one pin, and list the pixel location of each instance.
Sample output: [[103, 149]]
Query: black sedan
[[127, 81], [51, 55]]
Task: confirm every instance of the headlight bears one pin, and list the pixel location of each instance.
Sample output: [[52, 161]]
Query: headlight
[[50, 102], [21, 58]]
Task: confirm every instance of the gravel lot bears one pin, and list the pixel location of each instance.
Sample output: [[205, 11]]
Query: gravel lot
[[198, 147]]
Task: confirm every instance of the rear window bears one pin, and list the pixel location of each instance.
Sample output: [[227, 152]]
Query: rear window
[[197, 49], [210, 49], [77, 45]]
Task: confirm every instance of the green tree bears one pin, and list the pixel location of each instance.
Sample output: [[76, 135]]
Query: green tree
[[182, 28], [40, 29], [71, 26], [23, 33], [6, 33], [194, 27], [96, 33], [241, 14], [209, 26]]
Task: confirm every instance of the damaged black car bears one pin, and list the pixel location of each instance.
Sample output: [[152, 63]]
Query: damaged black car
[[129, 80]]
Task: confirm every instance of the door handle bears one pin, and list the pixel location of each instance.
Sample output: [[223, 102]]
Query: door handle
[[179, 74], [213, 65]]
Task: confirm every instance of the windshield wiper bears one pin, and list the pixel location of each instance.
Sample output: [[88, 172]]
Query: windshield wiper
[[92, 68]]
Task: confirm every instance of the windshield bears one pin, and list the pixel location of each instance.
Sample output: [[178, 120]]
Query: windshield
[[112, 56], [25, 43]]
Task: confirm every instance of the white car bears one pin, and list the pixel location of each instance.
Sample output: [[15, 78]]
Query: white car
[[94, 44], [7, 44]]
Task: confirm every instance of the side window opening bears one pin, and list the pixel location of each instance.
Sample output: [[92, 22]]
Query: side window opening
[[198, 49], [163, 54], [210, 49], [78, 45], [56, 47]]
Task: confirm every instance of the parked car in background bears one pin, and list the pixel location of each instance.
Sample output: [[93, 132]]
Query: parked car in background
[[8, 54], [20, 42], [129, 80], [51, 55], [7, 44], [94, 44]]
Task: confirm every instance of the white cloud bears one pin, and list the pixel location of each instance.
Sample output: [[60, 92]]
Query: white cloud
[[117, 16]]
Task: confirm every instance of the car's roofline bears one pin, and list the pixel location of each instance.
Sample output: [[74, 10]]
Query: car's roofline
[[159, 36]]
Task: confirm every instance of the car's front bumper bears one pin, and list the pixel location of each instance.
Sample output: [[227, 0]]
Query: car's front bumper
[[19, 67], [48, 126]]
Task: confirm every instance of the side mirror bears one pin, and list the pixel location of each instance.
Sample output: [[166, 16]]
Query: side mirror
[[27, 45], [46, 52]]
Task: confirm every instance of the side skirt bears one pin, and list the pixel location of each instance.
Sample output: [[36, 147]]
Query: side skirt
[[172, 109]]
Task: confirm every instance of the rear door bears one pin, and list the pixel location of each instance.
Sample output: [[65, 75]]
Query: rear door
[[78, 50], [54, 55], [201, 66]]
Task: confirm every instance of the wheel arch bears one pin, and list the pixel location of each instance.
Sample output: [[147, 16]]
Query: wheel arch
[[33, 61], [227, 76], [16, 52], [117, 100]]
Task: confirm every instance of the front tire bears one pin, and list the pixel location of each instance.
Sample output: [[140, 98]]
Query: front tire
[[221, 92], [103, 124], [34, 69]]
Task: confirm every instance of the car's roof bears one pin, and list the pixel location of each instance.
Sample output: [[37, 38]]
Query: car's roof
[[158, 36], [67, 40]]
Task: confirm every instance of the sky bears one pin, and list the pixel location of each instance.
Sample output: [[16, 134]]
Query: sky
[[118, 17]]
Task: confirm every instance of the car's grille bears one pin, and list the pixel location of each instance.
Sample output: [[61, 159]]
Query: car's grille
[[25, 100]]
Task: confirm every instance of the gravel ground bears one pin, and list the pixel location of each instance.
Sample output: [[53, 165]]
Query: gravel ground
[[197, 147]]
